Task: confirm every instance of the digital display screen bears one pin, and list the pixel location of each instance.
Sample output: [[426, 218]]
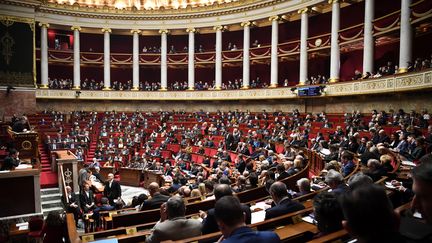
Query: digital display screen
[[309, 91]]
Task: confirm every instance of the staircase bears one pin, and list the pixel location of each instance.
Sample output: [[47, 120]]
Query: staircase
[[48, 179], [51, 200], [91, 151]]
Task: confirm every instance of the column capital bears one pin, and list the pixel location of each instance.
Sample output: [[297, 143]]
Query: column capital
[[220, 28], [76, 28], [333, 1], [274, 18], [246, 23], [106, 30], [191, 29], [135, 31], [46, 25], [163, 31], [304, 11]]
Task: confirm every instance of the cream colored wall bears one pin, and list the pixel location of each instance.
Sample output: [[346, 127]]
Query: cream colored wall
[[364, 103]]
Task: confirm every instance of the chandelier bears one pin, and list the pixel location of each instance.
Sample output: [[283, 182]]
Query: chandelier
[[142, 4]]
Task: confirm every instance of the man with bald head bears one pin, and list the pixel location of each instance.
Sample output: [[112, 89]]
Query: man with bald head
[[112, 189], [209, 224], [282, 201], [156, 198]]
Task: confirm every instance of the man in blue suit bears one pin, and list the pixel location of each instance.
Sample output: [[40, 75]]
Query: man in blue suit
[[283, 203], [231, 221]]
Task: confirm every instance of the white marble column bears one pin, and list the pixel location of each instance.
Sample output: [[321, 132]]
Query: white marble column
[[303, 46], [218, 58], [191, 58], [44, 55], [246, 55], [274, 63], [405, 50], [135, 59], [107, 59], [164, 65], [368, 42], [335, 51], [76, 58]]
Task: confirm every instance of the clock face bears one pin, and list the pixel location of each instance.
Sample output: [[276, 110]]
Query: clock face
[[318, 42]]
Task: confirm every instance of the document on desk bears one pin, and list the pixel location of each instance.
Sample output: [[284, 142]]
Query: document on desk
[[258, 216], [22, 226]]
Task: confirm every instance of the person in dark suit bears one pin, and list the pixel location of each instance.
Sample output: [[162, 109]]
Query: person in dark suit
[[231, 221], [156, 200], [112, 189], [348, 164], [209, 224], [71, 204], [336, 182], [11, 161], [97, 174], [283, 203], [282, 172], [229, 141], [104, 207], [87, 199]]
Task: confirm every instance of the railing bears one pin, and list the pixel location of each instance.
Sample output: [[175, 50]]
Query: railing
[[388, 84]]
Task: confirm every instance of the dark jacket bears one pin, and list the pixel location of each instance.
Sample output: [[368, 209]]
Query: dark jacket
[[9, 163], [285, 206], [246, 234], [154, 202], [112, 192], [209, 224]]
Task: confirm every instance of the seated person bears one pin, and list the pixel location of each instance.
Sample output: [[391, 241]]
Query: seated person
[[173, 225], [11, 161], [209, 224], [104, 207], [375, 169], [328, 213], [304, 187], [348, 164], [71, 204], [359, 179], [282, 201], [231, 221], [156, 198], [87, 199], [368, 210], [336, 182]]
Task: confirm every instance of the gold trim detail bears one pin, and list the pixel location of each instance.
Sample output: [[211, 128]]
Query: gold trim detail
[[333, 80], [402, 70], [246, 23], [245, 87], [274, 18], [46, 25], [333, 1], [43, 86], [273, 85], [106, 88], [191, 29], [191, 88], [163, 31], [135, 89], [76, 88], [106, 30], [76, 28], [135, 31], [164, 89], [304, 11]]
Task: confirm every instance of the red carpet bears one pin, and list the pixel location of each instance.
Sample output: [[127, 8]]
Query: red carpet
[[48, 179]]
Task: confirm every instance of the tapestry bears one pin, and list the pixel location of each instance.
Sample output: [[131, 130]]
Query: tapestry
[[17, 64]]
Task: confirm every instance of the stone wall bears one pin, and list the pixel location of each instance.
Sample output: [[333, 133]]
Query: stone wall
[[18, 101], [364, 103]]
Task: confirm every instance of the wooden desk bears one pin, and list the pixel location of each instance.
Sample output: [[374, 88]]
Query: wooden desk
[[130, 177], [295, 230], [20, 192]]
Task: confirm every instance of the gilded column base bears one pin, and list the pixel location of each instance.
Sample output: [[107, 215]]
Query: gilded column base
[[163, 89], [43, 86], [191, 88], [245, 87], [76, 88], [106, 88], [301, 83], [273, 86], [333, 80], [402, 70], [218, 88], [135, 89]]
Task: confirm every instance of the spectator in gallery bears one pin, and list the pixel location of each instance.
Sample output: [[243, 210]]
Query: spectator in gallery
[[234, 47], [256, 44], [357, 75]]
